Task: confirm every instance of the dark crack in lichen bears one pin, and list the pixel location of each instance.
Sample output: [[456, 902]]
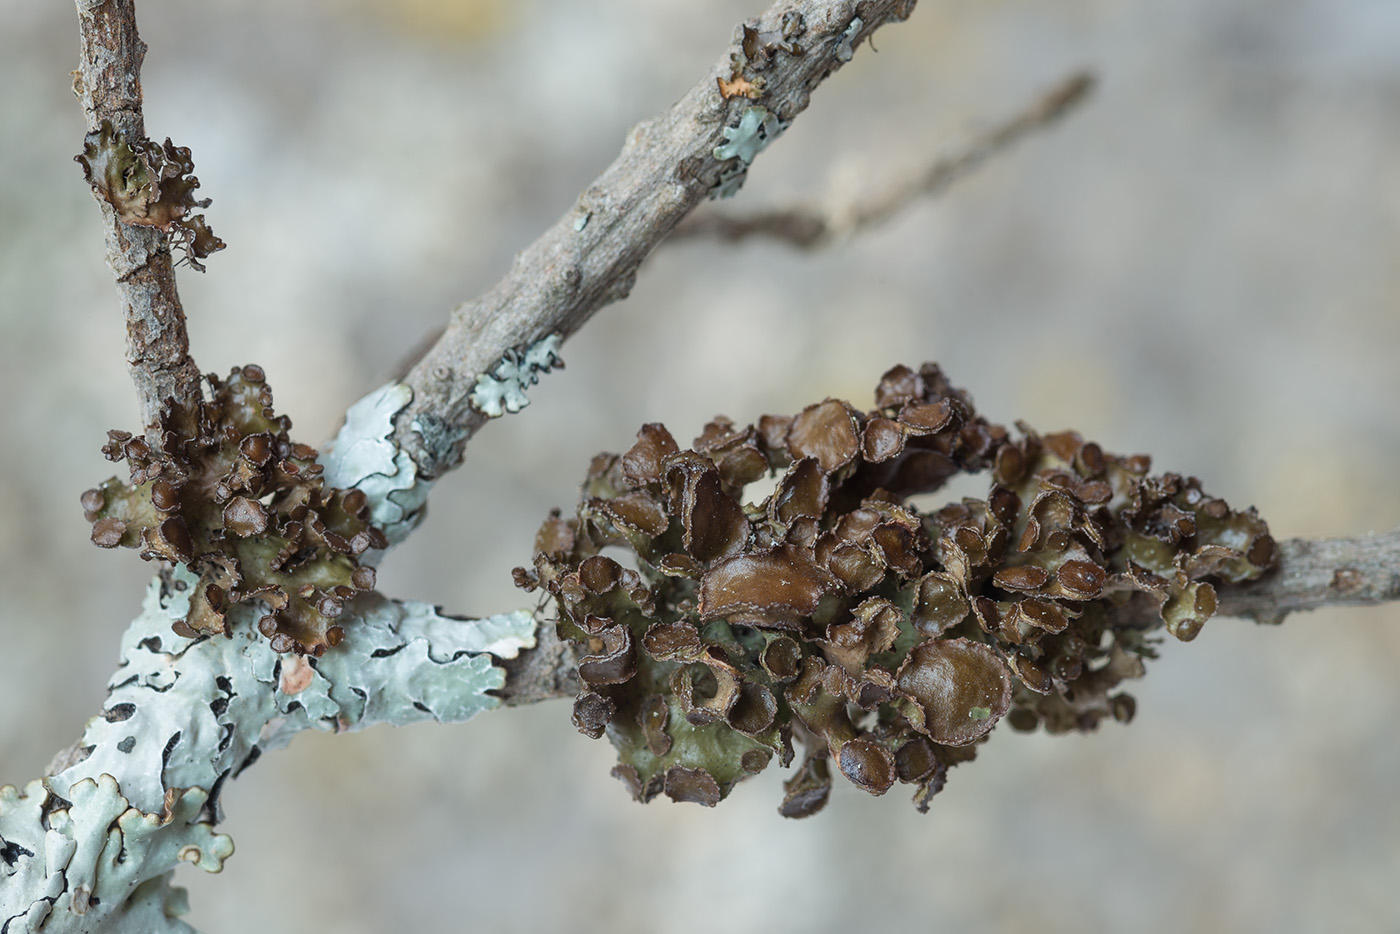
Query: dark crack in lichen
[[231, 498], [149, 185], [886, 641]]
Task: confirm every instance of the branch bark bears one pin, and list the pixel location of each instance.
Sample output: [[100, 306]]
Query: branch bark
[[108, 83], [1314, 573], [589, 257], [807, 226]]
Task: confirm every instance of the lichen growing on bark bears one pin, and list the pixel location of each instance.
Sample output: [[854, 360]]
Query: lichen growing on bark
[[228, 495], [888, 641], [149, 185]]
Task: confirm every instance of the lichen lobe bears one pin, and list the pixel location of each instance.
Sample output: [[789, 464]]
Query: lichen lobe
[[149, 185], [886, 640], [227, 495]]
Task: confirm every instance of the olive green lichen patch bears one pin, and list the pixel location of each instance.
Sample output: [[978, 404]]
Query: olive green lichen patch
[[149, 185], [887, 641], [230, 498]]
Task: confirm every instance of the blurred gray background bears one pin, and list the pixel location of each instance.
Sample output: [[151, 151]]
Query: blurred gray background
[[1201, 264]]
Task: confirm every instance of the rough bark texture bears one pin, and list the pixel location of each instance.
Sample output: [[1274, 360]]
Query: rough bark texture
[[547, 671], [589, 258], [108, 82], [1314, 573]]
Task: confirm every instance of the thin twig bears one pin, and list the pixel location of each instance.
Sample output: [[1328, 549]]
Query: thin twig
[[589, 257], [1314, 573], [813, 225], [108, 82]]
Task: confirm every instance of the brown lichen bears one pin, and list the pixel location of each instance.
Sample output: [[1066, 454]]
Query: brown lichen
[[887, 641], [244, 508], [149, 185]]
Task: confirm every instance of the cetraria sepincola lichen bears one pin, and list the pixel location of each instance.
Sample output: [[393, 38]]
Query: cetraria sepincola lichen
[[149, 185], [887, 640], [245, 510]]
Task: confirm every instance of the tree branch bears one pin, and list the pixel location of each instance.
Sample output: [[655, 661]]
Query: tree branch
[[807, 226], [93, 844], [108, 82], [92, 847], [589, 257], [1313, 573]]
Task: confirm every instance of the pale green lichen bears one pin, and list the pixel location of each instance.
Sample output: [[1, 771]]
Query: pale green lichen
[[182, 712], [757, 129], [363, 457], [93, 847], [103, 864], [844, 52], [185, 714], [502, 390], [730, 181]]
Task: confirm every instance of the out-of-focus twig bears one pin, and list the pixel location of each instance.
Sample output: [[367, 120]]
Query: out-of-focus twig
[[814, 225], [108, 83]]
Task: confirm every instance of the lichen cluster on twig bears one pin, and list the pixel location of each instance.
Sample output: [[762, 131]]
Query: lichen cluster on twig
[[227, 495], [108, 85], [832, 613], [149, 185], [836, 613]]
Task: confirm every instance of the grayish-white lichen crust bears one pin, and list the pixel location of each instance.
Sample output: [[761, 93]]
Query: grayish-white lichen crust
[[844, 52], [101, 865], [502, 390], [183, 715], [362, 456], [757, 129]]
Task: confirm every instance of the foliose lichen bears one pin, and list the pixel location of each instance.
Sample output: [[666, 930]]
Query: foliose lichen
[[363, 455], [844, 52], [502, 390], [758, 49], [90, 860], [755, 132], [149, 185], [836, 613], [227, 495], [80, 852]]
